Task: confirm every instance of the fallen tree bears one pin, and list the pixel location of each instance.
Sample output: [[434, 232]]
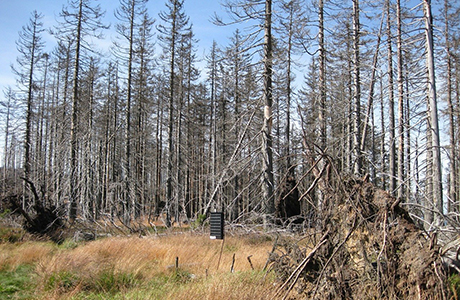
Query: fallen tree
[[42, 220], [365, 247]]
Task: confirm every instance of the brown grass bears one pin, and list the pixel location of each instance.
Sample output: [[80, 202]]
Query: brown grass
[[144, 268], [14, 255], [151, 255]]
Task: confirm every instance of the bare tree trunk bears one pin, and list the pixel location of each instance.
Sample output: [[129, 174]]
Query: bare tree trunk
[[453, 187], [370, 102], [358, 165], [61, 151], [433, 116], [27, 138], [391, 103], [115, 152], [169, 192], [400, 103], [349, 113], [267, 154], [213, 117], [322, 120], [128, 199], [9, 101], [40, 149], [159, 156], [236, 90], [29, 45], [74, 121], [178, 152], [382, 138], [105, 161], [322, 77], [407, 115]]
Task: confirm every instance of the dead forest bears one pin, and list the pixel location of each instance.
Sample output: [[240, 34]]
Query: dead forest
[[339, 119]]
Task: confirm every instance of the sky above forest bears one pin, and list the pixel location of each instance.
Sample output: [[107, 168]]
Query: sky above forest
[[14, 14]]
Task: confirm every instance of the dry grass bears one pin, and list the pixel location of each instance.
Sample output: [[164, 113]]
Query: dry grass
[[152, 255], [14, 255], [144, 268]]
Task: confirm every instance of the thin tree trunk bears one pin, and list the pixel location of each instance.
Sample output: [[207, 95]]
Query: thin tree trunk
[[322, 77], [27, 138], [236, 91], [267, 154], [400, 103], [408, 180], [391, 103], [382, 139], [169, 192], [61, 152], [6, 165], [213, 137], [358, 165], [74, 121], [40, 165], [453, 187], [159, 156], [129, 200], [434, 125], [178, 153], [370, 102]]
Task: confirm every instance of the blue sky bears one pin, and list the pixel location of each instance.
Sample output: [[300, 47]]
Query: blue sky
[[16, 13]]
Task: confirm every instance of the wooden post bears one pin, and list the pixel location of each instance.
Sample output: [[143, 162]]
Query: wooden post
[[250, 262]]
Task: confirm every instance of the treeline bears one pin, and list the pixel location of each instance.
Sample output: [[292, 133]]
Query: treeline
[[144, 133]]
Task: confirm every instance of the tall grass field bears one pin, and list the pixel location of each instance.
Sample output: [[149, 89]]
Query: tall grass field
[[173, 266]]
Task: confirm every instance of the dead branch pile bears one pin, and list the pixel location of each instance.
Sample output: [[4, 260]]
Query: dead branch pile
[[367, 247]]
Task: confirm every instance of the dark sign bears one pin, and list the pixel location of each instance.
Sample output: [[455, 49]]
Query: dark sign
[[217, 225]]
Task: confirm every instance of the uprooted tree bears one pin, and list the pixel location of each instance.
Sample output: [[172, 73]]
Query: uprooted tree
[[366, 246], [41, 220]]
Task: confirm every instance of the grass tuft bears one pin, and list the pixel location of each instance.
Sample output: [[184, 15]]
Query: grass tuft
[[111, 282], [62, 282]]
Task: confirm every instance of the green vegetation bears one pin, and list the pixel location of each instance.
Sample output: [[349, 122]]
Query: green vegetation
[[17, 283], [62, 281], [200, 220], [454, 283]]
